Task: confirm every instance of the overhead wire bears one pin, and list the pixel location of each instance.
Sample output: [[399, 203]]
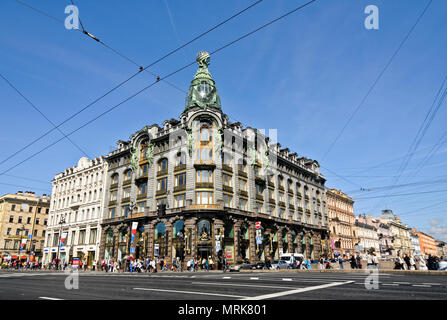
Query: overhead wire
[[376, 81], [125, 81], [166, 76]]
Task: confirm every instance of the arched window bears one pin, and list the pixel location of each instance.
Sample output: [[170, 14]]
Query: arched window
[[127, 175], [180, 159], [114, 178], [160, 230], [178, 229], [204, 227], [163, 164]]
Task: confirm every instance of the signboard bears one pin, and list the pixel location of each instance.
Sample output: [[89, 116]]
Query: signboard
[[30, 236], [156, 249], [63, 238], [229, 254], [23, 244], [258, 240], [217, 246], [132, 249], [281, 251], [258, 225], [258, 233], [134, 231], [75, 261]]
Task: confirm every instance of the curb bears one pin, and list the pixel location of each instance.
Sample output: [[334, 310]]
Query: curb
[[425, 272]]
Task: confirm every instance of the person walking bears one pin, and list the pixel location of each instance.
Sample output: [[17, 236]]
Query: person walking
[[211, 262], [340, 261], [375, 261], [353, 262], [412, 263], [407, 261], [321, 263]]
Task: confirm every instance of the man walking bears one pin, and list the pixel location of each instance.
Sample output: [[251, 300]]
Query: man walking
[[340, 261]]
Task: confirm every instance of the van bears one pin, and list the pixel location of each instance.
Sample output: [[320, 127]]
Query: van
[[291, 258]]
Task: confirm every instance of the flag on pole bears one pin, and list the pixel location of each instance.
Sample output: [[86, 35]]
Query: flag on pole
[[23, 244], [63, 238]]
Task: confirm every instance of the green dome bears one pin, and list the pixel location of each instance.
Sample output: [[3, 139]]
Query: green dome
[[202, 91]]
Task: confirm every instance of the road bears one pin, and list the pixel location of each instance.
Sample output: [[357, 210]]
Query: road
[[47, 285]]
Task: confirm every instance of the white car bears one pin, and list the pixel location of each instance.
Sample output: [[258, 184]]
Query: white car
[[443, 265]]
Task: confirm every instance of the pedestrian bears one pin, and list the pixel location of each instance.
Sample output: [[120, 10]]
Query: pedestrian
[[340, 261], [321, 263], [412, 263], [375, 261], [353, 262], [211, 262], [188, 265], [407, 261], [196, 264], [358, 260]]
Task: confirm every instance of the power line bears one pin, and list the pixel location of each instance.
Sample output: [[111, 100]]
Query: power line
[[43, 115], [24, 187], [377, 80], [400, 194], [123, 82], [153, 83], [25, 178]]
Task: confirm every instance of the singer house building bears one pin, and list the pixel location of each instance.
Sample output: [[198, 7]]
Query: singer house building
[[201, 186]]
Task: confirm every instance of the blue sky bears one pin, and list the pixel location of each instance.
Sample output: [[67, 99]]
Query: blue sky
[[303, 75]]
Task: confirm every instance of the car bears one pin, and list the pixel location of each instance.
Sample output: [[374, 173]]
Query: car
[[443, 265], [259, 266], [241, 265], [281, 264]]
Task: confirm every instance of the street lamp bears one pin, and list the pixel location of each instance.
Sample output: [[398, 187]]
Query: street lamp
[[61, 222], [20, 243]]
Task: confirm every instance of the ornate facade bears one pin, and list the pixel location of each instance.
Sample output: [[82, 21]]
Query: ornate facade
[[196, 187], [400, 232]]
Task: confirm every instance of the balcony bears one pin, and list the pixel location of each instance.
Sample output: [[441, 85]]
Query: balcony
[[227, 168], [300, 209], [291, 207], [141, 196], [272, 201], [161, 192], [227, 189], [207, 185], [180, 188], [162, 173], [243, 193], [112, 203], [199, 164], [125, 200], [282, 204], [127, 182], [242, 174], [260, 197], [290, 191], [308, 212], [180, 167], [271, 184], [280, 187], [114, 185]]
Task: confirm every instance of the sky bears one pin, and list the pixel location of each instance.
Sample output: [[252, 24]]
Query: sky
[[303, 75]]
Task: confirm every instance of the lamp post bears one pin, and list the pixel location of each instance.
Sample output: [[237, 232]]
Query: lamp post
[[20, 244], [61, 222]]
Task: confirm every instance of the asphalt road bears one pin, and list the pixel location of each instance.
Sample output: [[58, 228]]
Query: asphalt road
[[47, 285]]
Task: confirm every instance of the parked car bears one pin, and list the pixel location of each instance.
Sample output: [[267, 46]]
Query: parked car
[[241, 265], [443, 265], [259, 266], [281, 264]]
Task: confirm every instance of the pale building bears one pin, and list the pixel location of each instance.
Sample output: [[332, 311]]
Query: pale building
[[415, 244], [367, 234], [399, 231], [23, 216], [76, 212]]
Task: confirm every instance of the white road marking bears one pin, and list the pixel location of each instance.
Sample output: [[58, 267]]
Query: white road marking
[[390, 284], [286, 279], [226, 278], [432, 284], [254, 278], [242, 285], [192, 292], [48, 298], [285, 293], [402, 282], [421, 285]]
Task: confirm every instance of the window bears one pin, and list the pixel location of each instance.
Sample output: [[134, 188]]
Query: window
[[260, 206], [127, 175], [162, 184], [56, 240], [81, 237], [227, 160], [7, 244], [8, 232], [125, 210], [180, 179], [26, 232], [28, 220], [30, 209], [179, 200], [242, 166], [242, 185], [228, 200], [163, 165], [140, 206], [281, 196], [161, 201], [227, 180], [92, 237], [112, 212], [142, 188], [271, 194], [259, 189], [35, 233], [113, 195], [11, 219], [205, 154], [205, 132], [13, 207], [243, 204], [204, 176], [39, 210], [45, 222], [126, 192], [204, 197], [47, 211], [272, 210], [43, 233], [282, 213], [20, 219], [181, 159], [114, 179], [144, 170]]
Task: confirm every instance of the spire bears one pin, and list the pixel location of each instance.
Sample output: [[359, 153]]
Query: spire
[[202, 91]]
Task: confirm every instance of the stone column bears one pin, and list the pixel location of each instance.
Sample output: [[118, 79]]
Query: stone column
[[279, 237], [289, 241], [218, 229], [236, 237], [102, 245], [191, 242], [268, 247], [168, 229], [150, 239], [252, 237], [116, 233]]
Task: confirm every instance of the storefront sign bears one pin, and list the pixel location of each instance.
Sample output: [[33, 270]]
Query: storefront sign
[[217, 246], [156, 248], [258, 240], [75, 261], [229, 254]]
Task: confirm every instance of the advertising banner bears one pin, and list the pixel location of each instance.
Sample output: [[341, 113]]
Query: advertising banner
[[229, 254], [156, 249], [134, 231], [217, 246], [23, 244], [63, 238]]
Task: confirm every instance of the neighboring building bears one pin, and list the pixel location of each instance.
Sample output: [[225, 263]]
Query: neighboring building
[[23, 216], [442, 248], [415, 245], [386, 239], [367, 234], [77, 202], [399, 231], [216, 179], [426, 242], [340, 209]]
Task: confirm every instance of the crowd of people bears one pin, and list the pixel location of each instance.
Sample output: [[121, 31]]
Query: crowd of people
[[421, 262]]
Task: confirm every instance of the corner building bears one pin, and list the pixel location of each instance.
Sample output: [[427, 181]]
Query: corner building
[[216, 179]]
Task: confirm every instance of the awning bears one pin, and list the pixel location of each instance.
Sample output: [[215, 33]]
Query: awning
[[23, 257], [14, 257]]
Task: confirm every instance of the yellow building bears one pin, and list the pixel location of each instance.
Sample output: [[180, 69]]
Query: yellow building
[[23, 216], [340, 208]]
